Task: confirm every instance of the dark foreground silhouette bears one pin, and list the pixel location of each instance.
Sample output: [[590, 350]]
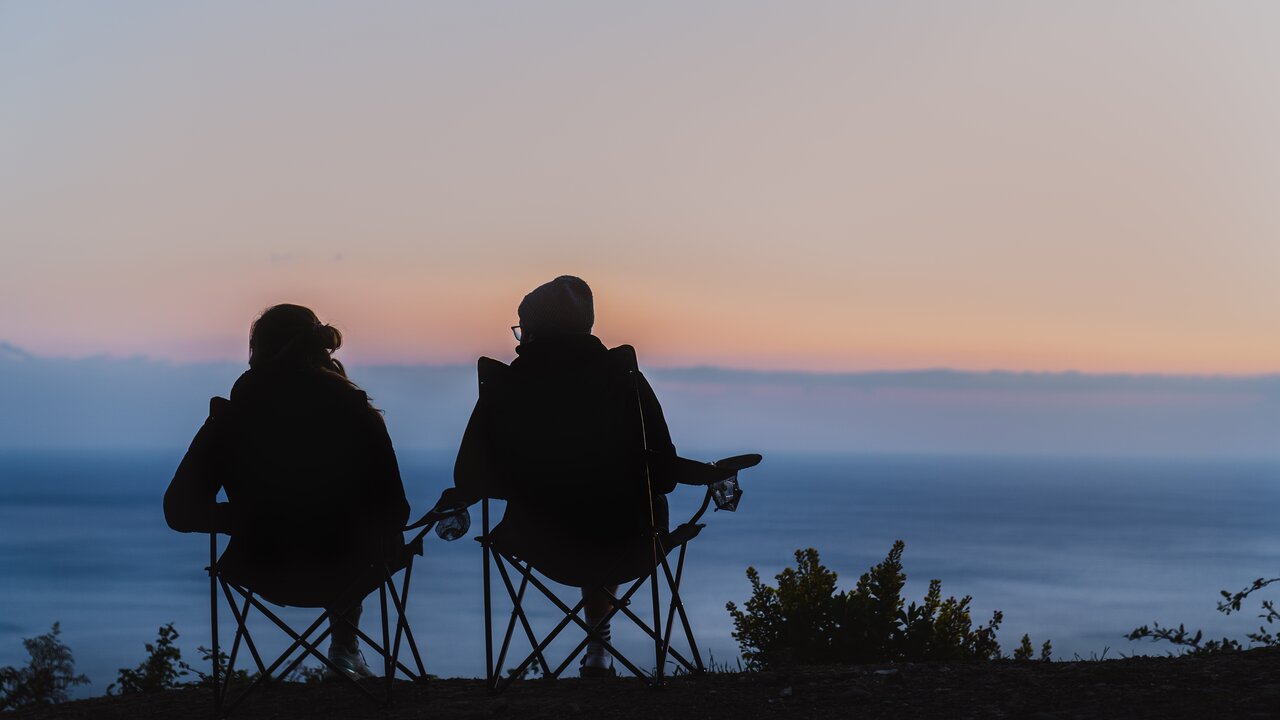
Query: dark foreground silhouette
[[572, 437], [1232, 685]]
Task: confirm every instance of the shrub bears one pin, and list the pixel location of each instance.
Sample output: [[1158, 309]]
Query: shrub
[[1195, 644], [160, 670], [49, 674], [804, 620]]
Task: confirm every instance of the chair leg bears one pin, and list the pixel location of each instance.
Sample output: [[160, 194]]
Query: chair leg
[[677, 605], [388, 669], [402, 626], [659, 657], [572, 616], [490, 671], [213, 621], [659, 660], [308, 648], [517, 611], [674, 602], [307, 641], [264, 677], [506, 638], [242, 629]]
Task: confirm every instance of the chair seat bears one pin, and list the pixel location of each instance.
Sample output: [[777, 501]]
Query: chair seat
[[582, 563], [305, 583]]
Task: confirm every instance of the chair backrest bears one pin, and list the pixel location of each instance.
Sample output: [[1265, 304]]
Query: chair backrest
[[316, 489], [568, 443], [565, 447]]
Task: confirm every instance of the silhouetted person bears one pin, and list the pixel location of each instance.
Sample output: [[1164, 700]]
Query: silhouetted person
[[316, 504], [564, 447]]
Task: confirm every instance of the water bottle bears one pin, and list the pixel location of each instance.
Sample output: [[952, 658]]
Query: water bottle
[[452, 527], [726, 493]]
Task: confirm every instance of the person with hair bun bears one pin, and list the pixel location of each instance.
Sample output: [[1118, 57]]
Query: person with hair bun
[[313, 487]]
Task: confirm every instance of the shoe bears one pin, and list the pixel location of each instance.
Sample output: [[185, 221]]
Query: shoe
[[350, 662], [593, 671], [596, 663]]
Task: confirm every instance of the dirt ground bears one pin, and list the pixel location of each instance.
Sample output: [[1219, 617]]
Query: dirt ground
[[1240, 685]]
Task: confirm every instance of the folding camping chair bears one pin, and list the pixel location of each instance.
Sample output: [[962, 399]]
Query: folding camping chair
[[721, 488], [241, 600]]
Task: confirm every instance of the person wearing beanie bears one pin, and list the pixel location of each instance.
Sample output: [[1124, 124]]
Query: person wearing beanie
[[563, 306], [564, 447]]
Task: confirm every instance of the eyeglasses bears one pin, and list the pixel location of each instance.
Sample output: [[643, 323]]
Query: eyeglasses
[[518, 332]]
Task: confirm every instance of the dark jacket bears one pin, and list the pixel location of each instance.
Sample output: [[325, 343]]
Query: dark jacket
[[314, 490], [560, 436]]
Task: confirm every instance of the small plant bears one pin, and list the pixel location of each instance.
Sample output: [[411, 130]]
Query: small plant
[[530, 672], [161, 669], [1195, 644], [804, 620], [239, 676], [49, 674], [1026, 652]]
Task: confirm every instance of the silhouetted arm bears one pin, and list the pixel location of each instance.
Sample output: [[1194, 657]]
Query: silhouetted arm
[[191, 502], [472, 470], [478, 471], [391, 504], [657, 435]]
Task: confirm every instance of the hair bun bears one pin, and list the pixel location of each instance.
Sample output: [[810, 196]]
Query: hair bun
[[328, 336]]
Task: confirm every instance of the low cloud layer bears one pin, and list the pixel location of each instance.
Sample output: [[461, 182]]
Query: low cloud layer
[[123, 403]]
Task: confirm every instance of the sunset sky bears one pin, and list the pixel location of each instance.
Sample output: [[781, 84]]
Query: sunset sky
[[818, 186]]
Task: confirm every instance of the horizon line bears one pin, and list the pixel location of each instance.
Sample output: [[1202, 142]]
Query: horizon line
[[10, 349]]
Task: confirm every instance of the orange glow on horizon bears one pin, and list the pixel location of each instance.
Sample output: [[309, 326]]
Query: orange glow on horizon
[[817, 187]]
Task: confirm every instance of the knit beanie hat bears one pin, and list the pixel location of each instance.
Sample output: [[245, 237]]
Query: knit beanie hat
[[563, 305]]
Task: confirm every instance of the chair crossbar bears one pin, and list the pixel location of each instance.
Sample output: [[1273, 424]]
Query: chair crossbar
[[378, 648], [517, 612], [308, 641], [615, 607], [300, 640], [570, 616], [644, 626], [241, 617], [402, 625], [677, 606]]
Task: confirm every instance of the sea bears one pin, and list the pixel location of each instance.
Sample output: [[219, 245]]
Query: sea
[[1077, 551]]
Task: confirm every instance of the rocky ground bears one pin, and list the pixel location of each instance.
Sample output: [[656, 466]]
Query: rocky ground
[[1240, 685]]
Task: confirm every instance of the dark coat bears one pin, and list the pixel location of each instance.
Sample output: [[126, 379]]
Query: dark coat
[[314, 490], [559, 436]]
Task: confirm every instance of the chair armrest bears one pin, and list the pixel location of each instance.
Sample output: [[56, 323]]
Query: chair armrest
[[434, 515], [693, 472], [683, 534]]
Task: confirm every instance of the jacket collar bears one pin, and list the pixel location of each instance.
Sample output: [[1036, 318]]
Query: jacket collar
[[560, 346]]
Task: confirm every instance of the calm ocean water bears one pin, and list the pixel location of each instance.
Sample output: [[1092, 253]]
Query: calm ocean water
[[1076, 550]]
